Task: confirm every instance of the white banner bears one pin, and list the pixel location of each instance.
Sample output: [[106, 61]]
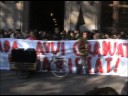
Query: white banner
[[106, 56]]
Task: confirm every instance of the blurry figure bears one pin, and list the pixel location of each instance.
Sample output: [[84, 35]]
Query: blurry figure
[[24, 35], [106, 36], [44, 36], [114, 31], [6, 35], [71, 35], [39, 35], [56, 35], [77, 34], [83, 50], [114, 36], [19, 35], [122, 35], [50, 36], [10, 31], [31, 36], [96, 36], [90, 35], [119, 36], [63, 35], [13, 35]]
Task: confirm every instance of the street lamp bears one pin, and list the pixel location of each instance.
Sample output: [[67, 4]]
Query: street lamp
[[51, 14]]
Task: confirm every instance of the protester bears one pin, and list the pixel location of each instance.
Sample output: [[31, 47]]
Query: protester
[[31, 36], [61, 35], [83, 50]]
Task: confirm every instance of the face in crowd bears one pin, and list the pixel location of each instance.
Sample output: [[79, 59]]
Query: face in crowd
[[84, 35]]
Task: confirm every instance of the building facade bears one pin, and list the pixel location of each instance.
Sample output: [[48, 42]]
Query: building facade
[[14, 15], [85, 15]]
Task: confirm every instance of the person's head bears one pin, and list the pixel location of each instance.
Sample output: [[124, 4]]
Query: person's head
[[76, 31], [31, 33], [122, 33], [106, 36], [114, 36], [96, 36], [72, 34], [40, 32], [63, 32], [44, 33], [56, 30], [119, 36], [5, 33], [84, 34]]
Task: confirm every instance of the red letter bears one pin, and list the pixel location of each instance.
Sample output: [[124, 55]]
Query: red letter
[[110, 48], [63, 48], [108, 64], [98, 66], [57, 48], [70, 65], [6, 46], [120, 50], [1, 49], [39, 48], [117, 64], [75, 46], [14, 46], [96, 49], [105, 48], [126, 44], [89, 48], [46, 46]]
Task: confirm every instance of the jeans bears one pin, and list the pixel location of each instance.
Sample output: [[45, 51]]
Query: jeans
[[83, 63]]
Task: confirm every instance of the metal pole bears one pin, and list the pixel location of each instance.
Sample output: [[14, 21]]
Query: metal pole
[[99, 16], [1, 15], [21, 5], [70, 14], [20, 15]]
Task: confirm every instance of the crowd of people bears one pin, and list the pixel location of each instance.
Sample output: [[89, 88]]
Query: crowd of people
[[60, 35]]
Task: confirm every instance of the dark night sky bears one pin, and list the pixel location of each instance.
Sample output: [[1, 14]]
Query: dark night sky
[[40, 14]]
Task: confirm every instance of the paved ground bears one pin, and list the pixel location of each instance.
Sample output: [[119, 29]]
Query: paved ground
[[47, 84]]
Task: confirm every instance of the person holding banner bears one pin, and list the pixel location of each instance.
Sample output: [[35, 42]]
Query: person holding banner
[[83, 50], [31, 36]]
